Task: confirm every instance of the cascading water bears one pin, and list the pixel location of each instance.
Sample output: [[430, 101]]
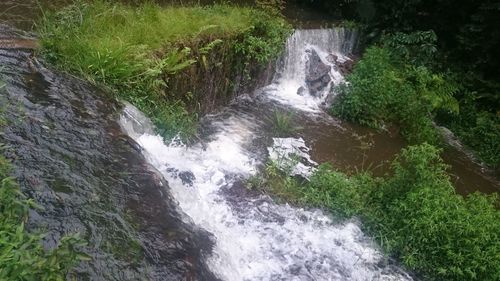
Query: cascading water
[[254, 237], [309, 66]]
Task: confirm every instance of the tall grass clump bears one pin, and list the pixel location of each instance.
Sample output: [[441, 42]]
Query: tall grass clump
[[134, 50], [282, 123], [419, 218]]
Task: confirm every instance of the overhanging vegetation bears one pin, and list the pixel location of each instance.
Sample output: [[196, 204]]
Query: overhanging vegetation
[[135, 50]]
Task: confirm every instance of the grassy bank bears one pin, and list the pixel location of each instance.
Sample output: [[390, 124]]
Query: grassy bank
[[414, 213], [134, 51]]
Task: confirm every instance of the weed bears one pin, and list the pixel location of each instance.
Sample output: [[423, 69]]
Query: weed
[[282, 124], [380, 91]]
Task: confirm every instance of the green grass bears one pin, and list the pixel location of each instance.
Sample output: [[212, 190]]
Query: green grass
[[135, 50], [399, 83], [282, 124], [414, 213]]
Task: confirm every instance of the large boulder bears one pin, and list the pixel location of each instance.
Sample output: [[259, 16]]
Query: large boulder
[[317, 73]]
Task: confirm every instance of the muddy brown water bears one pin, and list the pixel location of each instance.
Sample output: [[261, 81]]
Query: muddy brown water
[[349, 147]]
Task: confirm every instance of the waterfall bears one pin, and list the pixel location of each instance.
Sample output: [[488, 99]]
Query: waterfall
[[322, 49], [338, 41], [256, 238]]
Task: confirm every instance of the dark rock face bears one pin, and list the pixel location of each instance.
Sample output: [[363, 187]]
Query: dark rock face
[[71, 157], [301, 91], [187, 177], [346, 67], [317, 73]]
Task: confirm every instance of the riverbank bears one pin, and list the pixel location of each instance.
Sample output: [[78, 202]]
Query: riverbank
[[148, 54], [413, 212]]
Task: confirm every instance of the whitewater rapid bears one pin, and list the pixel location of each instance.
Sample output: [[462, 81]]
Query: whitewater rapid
[[254, 237]]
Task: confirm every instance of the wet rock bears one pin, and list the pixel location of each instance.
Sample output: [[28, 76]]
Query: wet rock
[[332, 58], [345, 67], [301, 91], [187, 177], [317, 73], [70, 156]]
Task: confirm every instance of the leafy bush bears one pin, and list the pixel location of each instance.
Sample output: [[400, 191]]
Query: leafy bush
[[418, 217], [477, 128], [264, 39], [380, 91], [273, 7], [414, 214], [417, 48], [335, 191], [22, 256], [482, 133]]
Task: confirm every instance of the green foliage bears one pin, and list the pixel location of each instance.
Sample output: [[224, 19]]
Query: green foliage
[[264, 39], [276, 180], [477, 128], [134, 50], [335, 192], [282, 124], [483, 135], [380, 91], [418, 217], [22, 256], [414, 214], [417, 48], [273, 7]]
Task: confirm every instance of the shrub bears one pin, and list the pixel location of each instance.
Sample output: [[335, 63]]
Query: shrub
[[477, 128], [415, 215], [416, 48], [273, 7], [481, 133], [418, 217], [380, 92], [336, 191], [264, 39]]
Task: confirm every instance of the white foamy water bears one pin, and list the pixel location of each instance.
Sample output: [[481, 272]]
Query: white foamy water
[[292, 155], [256, 238], [291, 77]]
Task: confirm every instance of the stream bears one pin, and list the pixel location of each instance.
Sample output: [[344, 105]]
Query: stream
[[255, 237], [98, 167]]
